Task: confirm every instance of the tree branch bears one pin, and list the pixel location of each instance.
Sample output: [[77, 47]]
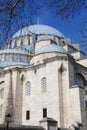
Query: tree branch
[[13, 7]]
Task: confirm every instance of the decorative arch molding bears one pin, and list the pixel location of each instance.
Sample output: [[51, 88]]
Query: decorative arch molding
[[2, 82], [22, 77], [85, 77], [62, 68], [82, 75], [80, 80]]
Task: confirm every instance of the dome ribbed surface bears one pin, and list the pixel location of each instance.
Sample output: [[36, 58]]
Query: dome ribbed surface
[[38, 29]]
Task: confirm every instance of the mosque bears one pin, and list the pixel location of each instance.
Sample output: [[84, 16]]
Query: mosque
[[43, 78]]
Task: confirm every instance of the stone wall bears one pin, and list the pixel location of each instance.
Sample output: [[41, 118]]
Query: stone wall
[[21, 127]]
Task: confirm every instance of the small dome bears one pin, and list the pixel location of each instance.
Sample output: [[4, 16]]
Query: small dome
[[38, 29], [51, 48], [12, 51], [8, 64], [12, 57]]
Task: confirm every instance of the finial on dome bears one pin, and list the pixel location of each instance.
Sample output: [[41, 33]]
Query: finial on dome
[[38, 20]]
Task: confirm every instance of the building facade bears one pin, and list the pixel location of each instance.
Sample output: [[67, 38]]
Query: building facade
[[43, 75]]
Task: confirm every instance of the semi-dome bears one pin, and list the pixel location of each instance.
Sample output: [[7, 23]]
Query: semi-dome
[[38, 29], [12, 57], [51, 48]]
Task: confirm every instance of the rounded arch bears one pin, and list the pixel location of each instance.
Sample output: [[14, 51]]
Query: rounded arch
[[80, 80], [22, 77], [1, 82], [28, 88], [43, 84]]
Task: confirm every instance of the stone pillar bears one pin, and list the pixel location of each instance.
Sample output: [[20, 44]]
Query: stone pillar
[[18, 100], [49, 124], [8, 103], [61, 109]]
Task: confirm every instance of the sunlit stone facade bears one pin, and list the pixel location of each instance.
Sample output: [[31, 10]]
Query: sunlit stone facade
[[43, 75]]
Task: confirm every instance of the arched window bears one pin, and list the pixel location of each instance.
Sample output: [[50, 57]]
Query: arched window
[[28, 88], [43, 84], [0, 111], [28, 40], [21, 41]]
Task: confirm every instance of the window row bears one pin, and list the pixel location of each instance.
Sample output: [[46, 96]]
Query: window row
[[44, 114], [43, 86], [20, 41], [14, 57]]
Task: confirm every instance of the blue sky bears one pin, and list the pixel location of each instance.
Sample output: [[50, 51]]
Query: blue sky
[[69, 27]]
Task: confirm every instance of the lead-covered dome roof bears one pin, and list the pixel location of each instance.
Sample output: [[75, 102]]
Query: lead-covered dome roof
[[38, 29], [51, 48]]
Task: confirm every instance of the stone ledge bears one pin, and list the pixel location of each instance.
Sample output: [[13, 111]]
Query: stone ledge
[[22, 127]]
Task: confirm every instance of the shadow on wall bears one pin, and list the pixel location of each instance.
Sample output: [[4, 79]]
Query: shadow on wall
[[3, 127]]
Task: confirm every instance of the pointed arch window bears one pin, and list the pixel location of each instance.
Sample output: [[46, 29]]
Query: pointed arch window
[[21, 43], [43, 84], [28, 88], [28, 40]]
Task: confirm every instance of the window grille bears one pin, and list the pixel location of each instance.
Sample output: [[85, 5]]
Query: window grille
[[28, 88], [43, 84]]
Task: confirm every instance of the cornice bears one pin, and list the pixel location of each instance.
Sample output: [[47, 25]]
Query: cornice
[[56, 58], [37, 66]]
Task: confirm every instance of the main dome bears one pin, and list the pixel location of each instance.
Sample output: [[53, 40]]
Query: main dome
[[38, 29]]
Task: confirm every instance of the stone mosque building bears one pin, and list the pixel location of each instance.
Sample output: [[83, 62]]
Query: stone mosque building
[[43, 78]]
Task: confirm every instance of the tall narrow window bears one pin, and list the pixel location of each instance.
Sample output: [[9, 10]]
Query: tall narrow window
[[21, 41], [28, 88], [44, 112], [28, 40], [43, 84], [27, 115]]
